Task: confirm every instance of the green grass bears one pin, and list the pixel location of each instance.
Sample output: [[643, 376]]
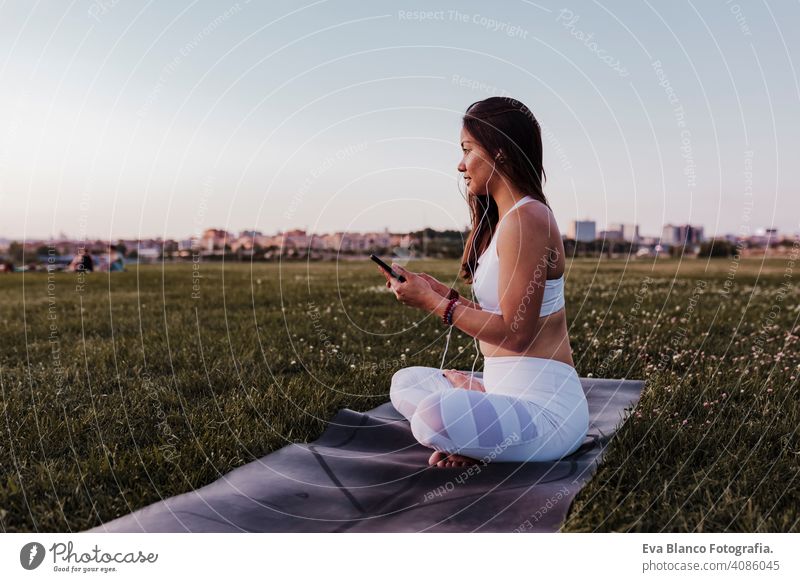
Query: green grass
[[131, 390]]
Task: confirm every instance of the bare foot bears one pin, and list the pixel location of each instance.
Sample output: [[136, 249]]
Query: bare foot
[[462, 380], [443, 460]]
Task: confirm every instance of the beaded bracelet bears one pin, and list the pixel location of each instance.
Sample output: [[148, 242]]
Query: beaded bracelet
[[453, 294], [447, 316], [452, 311]]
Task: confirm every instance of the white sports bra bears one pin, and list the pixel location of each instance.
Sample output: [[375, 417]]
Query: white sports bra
[[486, 279]]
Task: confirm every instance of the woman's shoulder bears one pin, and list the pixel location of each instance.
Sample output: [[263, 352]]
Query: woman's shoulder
[[532, 221], [537, 214], [539, 228]]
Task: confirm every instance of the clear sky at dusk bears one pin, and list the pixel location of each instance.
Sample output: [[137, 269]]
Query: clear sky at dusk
[[134, 119]]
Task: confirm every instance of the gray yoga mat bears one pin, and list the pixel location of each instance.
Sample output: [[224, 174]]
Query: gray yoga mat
[[367, 473]]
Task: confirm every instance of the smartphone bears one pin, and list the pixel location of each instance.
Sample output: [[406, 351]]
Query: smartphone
[[388, 269]]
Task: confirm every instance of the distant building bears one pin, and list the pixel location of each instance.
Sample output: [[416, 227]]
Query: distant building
[[246, 241], [610, 235], [681, 234], [295, 239], [185, 244], [267, 240], [214, 239], [627, 232], [332, 241], [582, 230], [376, 240], [763, 237], [316, 242], [404, 241], [355, 241]]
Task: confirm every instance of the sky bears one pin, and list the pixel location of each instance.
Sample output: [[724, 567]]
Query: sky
[[122, 119]]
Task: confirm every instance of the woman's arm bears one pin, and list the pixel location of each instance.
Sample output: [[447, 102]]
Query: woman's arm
[[471, 304], [443, 290], [482, 325], [522, 248], [417, 292]]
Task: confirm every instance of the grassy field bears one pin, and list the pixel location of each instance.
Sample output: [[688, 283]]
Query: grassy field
[[119, 391]]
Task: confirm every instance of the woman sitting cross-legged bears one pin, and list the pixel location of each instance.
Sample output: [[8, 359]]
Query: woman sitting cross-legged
[[529, 404]]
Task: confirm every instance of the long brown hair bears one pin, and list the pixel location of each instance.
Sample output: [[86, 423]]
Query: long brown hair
[[501, 123]]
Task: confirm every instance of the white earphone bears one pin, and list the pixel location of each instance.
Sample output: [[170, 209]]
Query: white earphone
[[498, 157]]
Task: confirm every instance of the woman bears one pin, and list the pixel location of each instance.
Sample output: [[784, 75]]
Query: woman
[[530, 405]]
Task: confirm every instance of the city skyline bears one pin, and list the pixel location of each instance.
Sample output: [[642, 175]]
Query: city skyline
[[750, 230], [618, 231], [122, 121]]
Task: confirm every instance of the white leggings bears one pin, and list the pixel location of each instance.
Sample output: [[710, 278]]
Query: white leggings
[[534, 409]]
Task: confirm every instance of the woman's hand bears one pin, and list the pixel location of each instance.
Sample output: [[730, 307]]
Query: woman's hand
[[416, 291], [436, 285]]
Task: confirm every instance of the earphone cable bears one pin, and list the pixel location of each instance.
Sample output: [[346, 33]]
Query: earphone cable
[[472, 288]]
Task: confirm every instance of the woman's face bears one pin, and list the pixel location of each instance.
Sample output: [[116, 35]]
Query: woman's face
[[476, 164]]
